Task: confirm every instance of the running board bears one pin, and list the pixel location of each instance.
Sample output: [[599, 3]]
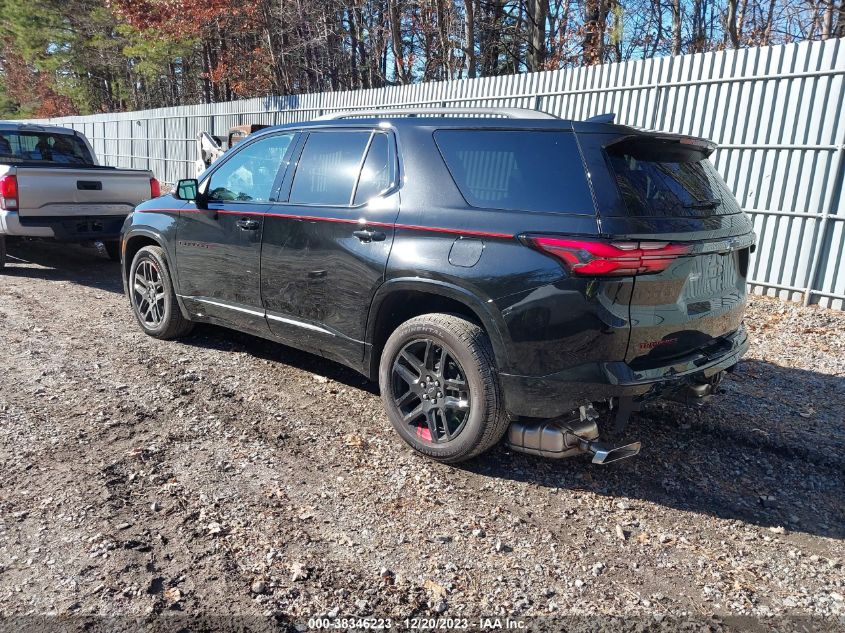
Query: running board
[[557, 439]]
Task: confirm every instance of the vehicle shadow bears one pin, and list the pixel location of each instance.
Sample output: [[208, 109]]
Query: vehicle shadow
[[223, 339], [57, 261], [767, 451]]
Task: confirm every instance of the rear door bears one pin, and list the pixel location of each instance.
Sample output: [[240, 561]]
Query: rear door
[[218, 242], [654, 191], [326, 243]]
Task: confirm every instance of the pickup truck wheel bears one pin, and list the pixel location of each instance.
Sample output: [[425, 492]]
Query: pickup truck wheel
[[113, 249], [152, 296], [2, 252], [439, 386]]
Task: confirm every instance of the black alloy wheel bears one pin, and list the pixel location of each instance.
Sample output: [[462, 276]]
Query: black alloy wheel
[[430, 388]]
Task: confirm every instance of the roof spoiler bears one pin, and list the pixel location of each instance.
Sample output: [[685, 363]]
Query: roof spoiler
[[607, 117]]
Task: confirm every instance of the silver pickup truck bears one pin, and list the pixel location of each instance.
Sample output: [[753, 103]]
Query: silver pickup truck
[[52, 187]]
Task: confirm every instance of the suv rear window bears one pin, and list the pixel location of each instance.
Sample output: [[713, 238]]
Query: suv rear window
[[664, 179], [43, 147], [522, 170]]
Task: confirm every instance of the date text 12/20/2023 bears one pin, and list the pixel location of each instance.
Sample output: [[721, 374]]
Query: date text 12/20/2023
[[420, 624]]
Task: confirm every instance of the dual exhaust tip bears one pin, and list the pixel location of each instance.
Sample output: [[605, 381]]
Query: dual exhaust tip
[[558, 439]]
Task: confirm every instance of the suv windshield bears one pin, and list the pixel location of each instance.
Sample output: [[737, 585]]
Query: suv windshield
[[43, 147]]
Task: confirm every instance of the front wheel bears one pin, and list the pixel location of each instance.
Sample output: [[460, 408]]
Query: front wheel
[[439, 386], [152, 296]]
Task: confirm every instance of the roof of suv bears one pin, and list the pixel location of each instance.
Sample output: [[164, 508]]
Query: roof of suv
[[481, 118], [463, 118]]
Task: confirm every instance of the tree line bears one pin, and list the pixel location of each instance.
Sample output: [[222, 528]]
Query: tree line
[[60, 57]]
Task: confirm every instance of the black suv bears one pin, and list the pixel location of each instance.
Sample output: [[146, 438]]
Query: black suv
[[495, 270]]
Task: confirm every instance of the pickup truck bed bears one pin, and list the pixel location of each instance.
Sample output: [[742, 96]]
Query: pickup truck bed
[[72, 204]]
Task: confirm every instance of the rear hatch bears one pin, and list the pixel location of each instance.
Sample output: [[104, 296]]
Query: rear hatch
[[660, 194], [55, 191]]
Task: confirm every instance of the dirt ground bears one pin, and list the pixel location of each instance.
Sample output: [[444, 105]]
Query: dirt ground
[[227, 475]]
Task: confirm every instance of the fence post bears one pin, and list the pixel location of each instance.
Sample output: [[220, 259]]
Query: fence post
[[164, 148], [824, 223], [149, 159], [186, 163]]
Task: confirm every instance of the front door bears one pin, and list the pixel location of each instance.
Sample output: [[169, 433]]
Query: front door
[[326, 243], [218, 238]]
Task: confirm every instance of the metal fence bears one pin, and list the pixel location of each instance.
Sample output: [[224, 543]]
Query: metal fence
[[777, 114]]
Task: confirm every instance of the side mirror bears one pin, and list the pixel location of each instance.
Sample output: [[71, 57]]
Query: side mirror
[[186, 189]]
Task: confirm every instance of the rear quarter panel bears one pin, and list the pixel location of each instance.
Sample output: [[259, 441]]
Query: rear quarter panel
[[545, 321]]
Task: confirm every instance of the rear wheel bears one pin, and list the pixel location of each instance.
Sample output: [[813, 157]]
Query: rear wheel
[[439, 387], [152, 296], [2, 252], [113, 249]]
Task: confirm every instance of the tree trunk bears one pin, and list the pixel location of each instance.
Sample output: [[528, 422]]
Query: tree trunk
[[827, 21], [730, 26], [395, 19], [469, 38], [537, 11], [840, 20], [676, 26], [595, 20]]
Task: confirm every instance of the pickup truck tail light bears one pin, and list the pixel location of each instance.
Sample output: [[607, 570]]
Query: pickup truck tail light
[[155, 188], [593, 258], [9, 193]]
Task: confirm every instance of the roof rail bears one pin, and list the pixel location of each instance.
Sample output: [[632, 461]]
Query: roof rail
[[508, 113]]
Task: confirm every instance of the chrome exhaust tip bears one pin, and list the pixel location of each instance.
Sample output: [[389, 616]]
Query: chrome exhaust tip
[[603, 454]]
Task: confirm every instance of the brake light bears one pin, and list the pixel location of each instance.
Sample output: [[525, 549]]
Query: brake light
[[9, 193], [617, 259], [155, 188]]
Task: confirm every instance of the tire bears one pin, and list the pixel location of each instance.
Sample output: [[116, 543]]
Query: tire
[[112, 249], [419, 408], [2, 252], [147, 274]]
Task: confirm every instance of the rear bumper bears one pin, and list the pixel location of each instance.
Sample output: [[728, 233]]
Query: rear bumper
[[63, 228], [557, 394], [10, 224]]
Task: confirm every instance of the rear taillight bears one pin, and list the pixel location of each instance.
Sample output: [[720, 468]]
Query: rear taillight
[[617, 259], [9, 193], [155, 188]]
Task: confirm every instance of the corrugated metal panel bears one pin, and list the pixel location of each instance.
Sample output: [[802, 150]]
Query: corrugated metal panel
[[777, 114]]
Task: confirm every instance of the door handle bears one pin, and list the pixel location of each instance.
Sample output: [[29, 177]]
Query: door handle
[[369, 236], [247, 225]]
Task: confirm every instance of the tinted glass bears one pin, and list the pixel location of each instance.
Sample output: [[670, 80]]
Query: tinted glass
[[328, 168], [672, 187], [43, 147], [377, 173], [248, 176], [520, 170]]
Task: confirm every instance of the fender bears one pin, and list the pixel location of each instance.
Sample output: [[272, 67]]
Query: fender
[[493, 325]]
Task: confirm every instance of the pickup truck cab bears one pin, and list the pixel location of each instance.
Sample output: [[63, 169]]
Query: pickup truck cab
[[51, 186]]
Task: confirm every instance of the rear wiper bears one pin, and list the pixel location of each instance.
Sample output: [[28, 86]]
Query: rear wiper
[[703, 204]]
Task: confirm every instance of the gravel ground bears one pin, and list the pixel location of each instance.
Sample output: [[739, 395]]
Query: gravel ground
[[228, 475]]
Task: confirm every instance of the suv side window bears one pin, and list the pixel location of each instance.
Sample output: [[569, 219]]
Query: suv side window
[[249, 175], [328, 168], [377, 174], [521, 170]]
